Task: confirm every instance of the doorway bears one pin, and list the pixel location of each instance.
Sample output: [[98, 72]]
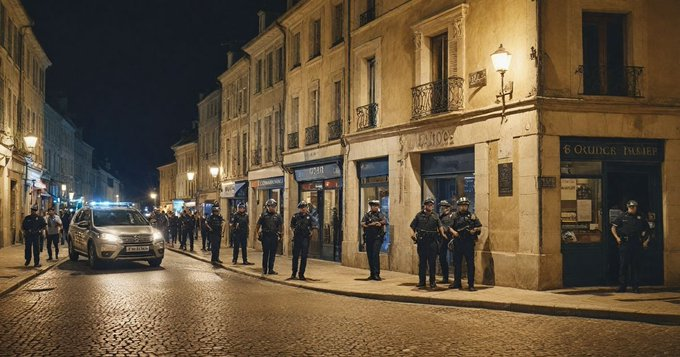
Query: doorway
[[325, 205], [642, 183]]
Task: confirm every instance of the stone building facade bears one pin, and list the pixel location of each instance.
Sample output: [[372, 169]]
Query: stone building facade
[[209, 115], [186, 157], [167, 186]]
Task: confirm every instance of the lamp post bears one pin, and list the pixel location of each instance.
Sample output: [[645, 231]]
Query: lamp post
[[70, 198], [190, 177], [117, 198], [153, 196], [501, 63]]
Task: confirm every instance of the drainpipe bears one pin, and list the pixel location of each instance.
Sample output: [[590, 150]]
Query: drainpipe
[[539, 92], [285, 93]]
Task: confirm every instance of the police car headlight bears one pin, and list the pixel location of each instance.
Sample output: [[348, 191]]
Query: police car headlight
[[157, 236], [108, 237]]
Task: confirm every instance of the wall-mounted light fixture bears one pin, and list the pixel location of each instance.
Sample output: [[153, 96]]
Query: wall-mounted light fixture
[[501, 63]]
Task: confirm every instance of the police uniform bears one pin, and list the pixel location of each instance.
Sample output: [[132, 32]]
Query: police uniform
[[373, 238], [214, 223], [239, 223], [631, 228], [302, 225], [271, 224], [188, 226], [33, 226], [173, 228], [465, 246], [426, 225], [447, 222]]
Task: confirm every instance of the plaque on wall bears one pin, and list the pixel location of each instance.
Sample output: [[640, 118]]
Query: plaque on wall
[[477, 79], [505, 179]]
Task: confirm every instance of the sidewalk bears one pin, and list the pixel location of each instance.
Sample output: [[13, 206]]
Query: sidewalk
[[13, 273], [654, 305]]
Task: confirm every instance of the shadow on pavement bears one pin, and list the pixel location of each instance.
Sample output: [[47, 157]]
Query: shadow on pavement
[[122, 267]]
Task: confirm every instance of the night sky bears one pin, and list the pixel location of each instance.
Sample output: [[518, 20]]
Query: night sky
[[133, 70]]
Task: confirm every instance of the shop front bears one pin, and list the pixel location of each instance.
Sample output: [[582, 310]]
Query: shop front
[[374, 185], [232, 193], [449, 175], [265, 189], [598, 177], [206, 201], [321, 187]]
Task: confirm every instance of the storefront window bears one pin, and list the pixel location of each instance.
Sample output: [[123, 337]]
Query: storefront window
[[450, 188], [581, 203], [324, 199], [376, 188]]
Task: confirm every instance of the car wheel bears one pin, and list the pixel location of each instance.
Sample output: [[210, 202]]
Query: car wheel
[[72, 254], [155, 262], [92, 256]]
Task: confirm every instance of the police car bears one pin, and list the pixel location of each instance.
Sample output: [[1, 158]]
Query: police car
[[111, 232]]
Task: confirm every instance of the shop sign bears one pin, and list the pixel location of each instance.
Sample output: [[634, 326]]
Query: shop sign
[[611, 150], [547, 182], [268, 183], [332, 184], [434, 139], [322, 172], [312, 186], [477, 79], [505, 179]]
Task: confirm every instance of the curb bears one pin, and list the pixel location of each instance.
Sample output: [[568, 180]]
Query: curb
[[30, 277], [658, 319]]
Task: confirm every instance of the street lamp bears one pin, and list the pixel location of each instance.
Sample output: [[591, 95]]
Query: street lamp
[[214, 170], [118, 198], [70, 196], [63, 188], [31, 141], [153, 196], [501, 63], [190, 175]]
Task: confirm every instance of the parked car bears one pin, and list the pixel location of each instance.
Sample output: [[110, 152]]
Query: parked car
[[112, 233]]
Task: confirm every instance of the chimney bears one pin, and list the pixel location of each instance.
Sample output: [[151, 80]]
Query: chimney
[[262, 18], [230, 59]]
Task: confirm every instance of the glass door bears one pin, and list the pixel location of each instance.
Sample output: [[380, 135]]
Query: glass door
[[329, 226], [312, 193]]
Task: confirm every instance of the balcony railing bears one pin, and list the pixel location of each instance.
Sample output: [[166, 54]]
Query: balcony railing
[[256, 158], [334, 130], [437, 97], [367, 16], [367, 116], [312, 135], [623, 81], [293, 140]]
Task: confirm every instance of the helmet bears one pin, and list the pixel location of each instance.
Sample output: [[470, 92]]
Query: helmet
[[302, 204], [463, 201], [215, 208], [271, 202], [34, 208], [374, 203], [241, 205], [428, 201], [444, 203], [632, 203]]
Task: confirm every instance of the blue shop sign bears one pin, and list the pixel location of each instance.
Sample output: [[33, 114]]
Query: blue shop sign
[[448, 162], [373, 168], [327, 171]]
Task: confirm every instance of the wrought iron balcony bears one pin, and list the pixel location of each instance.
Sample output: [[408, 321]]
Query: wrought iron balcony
[[367, 16], [256, 158], [623, 81], [367, 116], [293, 140], [437, 97], [312, 135], [268, 154], [334, 130]]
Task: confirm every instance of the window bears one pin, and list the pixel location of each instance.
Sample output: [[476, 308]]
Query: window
[[314, 106], [295, 115], [268, 138], [604, 71], [280, 64], [296, 50], [370, 66], [581, 202], [278, 129], [315, 40], [270, 69], [440, 57], [337, 24], [258, 76], [337, 100]]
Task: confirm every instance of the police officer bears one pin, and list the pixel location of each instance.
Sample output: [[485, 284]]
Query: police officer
[[213, 224], [630, 231], [239, 231], [374, 223], [466, 228], [427, 228], [33, 227], [302, 225], [173, 227], [188, 225], [446, 215], [53, 226], [269, 230]]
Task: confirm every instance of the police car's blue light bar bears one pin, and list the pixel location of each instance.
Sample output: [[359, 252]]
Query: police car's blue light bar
[[110, 204]]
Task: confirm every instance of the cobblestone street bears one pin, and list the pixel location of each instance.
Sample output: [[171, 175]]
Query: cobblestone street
[[187, 307]]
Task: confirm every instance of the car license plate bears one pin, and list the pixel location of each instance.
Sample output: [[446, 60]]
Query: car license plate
[[137, 249]]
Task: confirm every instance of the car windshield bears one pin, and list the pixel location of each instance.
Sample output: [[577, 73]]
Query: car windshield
[[118, 218]]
